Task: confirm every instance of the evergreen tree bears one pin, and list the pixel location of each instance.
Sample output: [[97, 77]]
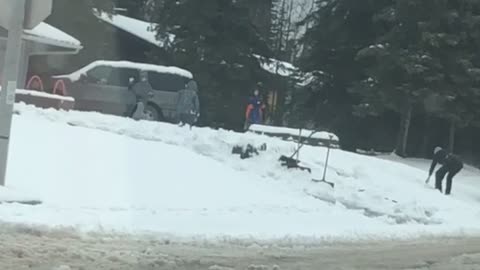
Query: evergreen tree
[[392, 56], [340, 29], [401, 71], [453, 38], [427, 51], [135, 8], [260, 15], [216, 40]]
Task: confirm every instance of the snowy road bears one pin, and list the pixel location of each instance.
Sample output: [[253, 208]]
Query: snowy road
[[60, 250]]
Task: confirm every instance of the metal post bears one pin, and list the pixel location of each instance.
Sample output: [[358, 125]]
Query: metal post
[[326, 161], [9, 82], [299, 143]]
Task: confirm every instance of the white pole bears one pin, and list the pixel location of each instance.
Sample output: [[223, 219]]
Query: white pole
[[9, 81], [299, 143]]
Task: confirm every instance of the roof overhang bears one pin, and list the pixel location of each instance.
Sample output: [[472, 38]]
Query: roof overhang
[[141, 29], [46, 39]]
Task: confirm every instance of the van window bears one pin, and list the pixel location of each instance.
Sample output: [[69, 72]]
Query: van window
[[99, 74], [166, 82], [121, 76]]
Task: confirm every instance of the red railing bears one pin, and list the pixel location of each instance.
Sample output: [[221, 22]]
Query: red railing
[[60, 86], [35, 83]]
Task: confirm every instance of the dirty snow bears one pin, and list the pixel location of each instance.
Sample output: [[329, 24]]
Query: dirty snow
[[27, 248], [106, 173]]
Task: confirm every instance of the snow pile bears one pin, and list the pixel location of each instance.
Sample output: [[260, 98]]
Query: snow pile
[[9, 195], [36, 93], [98, 172], [75, 76], [43, 94]]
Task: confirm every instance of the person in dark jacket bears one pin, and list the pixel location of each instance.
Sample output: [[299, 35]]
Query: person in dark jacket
[[451, 165], [143, 92], [188, 104], [255, 107]]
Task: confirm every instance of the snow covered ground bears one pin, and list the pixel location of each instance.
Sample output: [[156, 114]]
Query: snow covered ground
[[466, 185], [103, 173]]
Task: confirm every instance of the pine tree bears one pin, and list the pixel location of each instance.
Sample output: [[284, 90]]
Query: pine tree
[[340, 28], [260, 14], [453, 38], [427, 51], [216, 40], [135, 8]]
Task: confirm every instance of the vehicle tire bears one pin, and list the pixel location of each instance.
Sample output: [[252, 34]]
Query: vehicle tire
[[153, 113]]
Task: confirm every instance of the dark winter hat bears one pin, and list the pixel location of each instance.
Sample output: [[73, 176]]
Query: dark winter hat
[[192, 85]]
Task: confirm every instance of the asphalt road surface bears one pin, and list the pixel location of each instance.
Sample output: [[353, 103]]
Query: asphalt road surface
[[27, 248]]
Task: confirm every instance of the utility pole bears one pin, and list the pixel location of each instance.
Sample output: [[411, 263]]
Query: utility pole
[[9, 80], [15, 15]]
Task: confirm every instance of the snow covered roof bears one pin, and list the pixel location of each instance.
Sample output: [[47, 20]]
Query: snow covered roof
[[75, 76], [286, 69], [141, 29], [277, 67], [47, 34]]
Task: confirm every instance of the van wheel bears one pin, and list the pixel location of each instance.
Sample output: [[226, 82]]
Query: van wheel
[[152, 113]]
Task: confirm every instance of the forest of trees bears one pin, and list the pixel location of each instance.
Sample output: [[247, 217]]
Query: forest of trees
[[389, 75], [404, 61]]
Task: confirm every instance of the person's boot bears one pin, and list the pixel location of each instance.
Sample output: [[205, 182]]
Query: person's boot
[[448, 191], [438, 184]]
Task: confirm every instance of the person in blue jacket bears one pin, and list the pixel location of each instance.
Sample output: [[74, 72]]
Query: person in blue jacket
[[255, 108]]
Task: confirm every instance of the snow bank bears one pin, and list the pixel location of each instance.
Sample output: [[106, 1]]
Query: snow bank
[[97, 172], [9, 195], [43, 94], [75, 76]]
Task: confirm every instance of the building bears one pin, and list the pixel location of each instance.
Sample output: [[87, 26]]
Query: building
[[42, 40], [135, 39]]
